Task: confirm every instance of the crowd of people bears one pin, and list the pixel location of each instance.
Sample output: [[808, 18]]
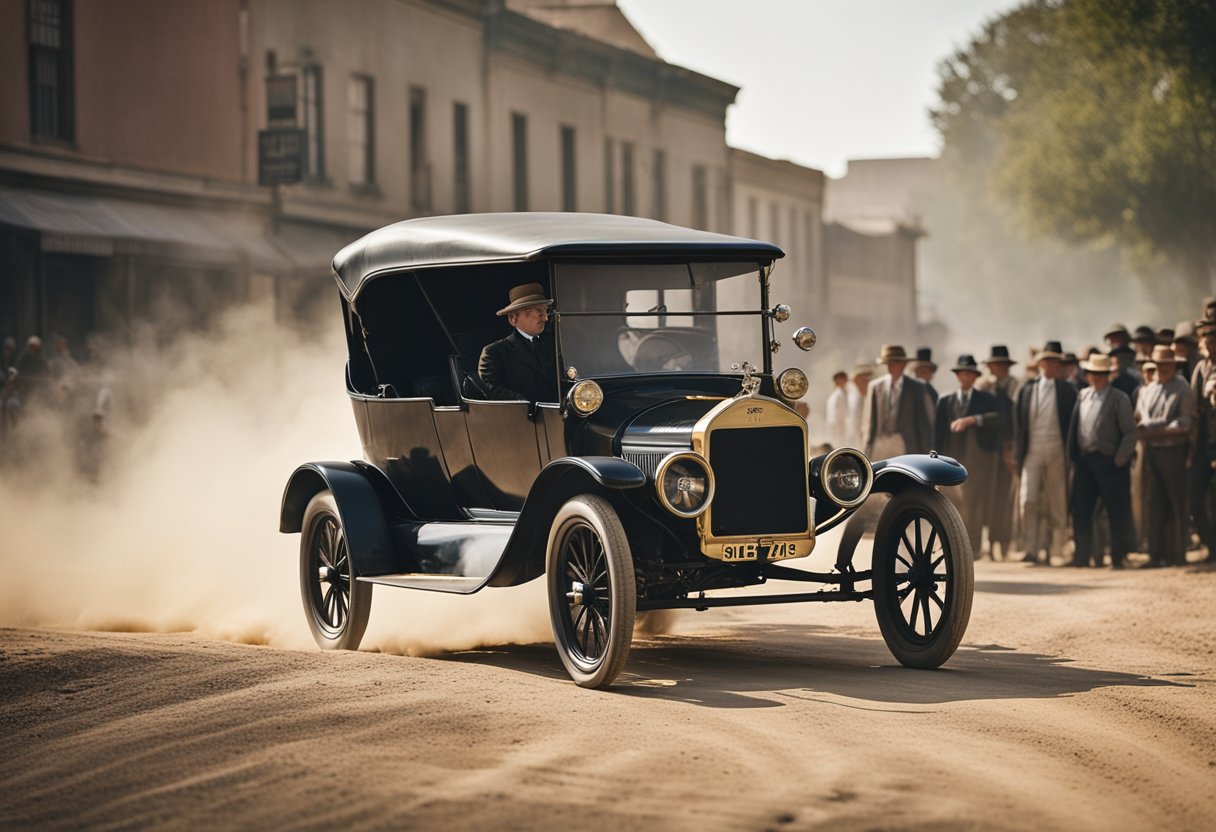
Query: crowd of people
[[1116, 442], [40, 383]]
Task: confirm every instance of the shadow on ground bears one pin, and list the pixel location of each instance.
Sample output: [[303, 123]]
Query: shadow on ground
[[776, 664]]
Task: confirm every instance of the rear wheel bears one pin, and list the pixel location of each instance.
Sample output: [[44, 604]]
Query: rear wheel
[[336, 605], [592, 594], [923, 577]]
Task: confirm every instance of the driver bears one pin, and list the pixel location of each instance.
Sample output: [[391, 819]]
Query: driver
[[523, 365]]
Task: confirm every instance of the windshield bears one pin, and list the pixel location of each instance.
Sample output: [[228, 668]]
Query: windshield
[[659, 318]]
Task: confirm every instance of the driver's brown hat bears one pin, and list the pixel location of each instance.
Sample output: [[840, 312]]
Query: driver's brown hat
[[521, 297], [891, 352]]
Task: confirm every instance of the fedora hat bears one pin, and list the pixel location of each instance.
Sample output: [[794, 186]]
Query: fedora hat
[[924, 355], [1185, 332], [1096, 363], [966, 363], [891, 352], [1117, 329], [1163, 355], [521, 297], [1125, 351], [1165, 335], [1000, 355], [1145, 333], [1051, 349], [1204, 327]]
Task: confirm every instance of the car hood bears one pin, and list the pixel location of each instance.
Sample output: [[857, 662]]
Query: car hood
[[666, 426]]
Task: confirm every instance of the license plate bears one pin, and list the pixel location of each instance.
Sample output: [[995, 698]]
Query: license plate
[[760, 551]]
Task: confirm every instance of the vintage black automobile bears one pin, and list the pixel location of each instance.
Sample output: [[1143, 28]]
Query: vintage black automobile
[[671, 466]]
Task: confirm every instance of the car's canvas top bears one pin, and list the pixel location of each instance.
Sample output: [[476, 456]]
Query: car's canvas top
[[469, 239]]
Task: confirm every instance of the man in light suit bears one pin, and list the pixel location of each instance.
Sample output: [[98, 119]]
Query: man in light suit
[[968, 428], [1041, 418], [898, 417], [1165, 414], [1101, 440]]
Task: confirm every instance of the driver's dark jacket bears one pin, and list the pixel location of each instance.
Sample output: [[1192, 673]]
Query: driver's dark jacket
[[514, 369]]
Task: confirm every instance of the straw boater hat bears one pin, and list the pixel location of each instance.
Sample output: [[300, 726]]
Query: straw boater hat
[[1051, 349], [863, 368], [1163, 355], [966, 363], [1000, 355], [1096, 363], [521, 297], [891, 352], [924, 355]]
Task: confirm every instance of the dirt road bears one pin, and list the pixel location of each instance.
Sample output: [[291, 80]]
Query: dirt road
[[1081, 699]]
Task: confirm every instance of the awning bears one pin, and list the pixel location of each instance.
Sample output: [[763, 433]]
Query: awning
[[107, 226], [311, 248]]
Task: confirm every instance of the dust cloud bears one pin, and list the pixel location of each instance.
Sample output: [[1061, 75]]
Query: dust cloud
[[179, 531]]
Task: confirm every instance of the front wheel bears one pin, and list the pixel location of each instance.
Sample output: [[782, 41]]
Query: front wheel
[[923, 577], [336, 605], [592, 594]]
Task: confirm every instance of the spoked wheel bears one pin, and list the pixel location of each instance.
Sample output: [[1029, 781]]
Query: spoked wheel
[[923, 577], [592, 594], [336, 605]]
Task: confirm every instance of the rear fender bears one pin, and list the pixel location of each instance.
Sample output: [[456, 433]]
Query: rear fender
[[561, 479], [364, 509]]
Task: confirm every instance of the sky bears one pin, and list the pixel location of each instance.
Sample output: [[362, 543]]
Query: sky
[[823, 81]]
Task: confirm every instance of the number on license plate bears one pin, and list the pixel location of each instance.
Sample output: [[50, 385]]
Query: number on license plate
[[752, 551]]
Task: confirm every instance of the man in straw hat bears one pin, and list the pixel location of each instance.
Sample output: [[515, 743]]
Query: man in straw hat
[[1044, 408], [522, 366], [1101, 441], [968, 428], [898, 415], [1203, 386], [1002, 384], [1165, 414]]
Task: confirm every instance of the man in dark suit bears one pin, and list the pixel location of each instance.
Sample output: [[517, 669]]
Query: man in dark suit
[[1040, 420], [968, 428], [898, 416], [924, 368], [1101, 440], [1203, 385], [522, 366]]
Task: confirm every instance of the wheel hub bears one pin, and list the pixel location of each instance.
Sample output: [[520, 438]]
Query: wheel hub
[[577, 595], [327, 574]]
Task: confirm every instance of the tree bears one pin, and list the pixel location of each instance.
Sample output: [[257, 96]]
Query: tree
[[1096, 120]]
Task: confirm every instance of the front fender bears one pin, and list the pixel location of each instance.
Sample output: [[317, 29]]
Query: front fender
[[561, 479], [361, 507], [897, 473]]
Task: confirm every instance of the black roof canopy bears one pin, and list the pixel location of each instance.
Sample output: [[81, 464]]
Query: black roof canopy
[[469, 239]]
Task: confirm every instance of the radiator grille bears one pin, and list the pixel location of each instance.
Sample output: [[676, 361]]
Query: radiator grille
[[760, 474], [648, 461]]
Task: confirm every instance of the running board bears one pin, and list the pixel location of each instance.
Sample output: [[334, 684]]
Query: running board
[[435, 583]]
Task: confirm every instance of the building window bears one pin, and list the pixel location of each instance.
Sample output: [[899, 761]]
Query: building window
[[314, 122], [420, 167], [569, 171], [519, 157], [660, 185], [628, 206], [51, 99], [774, 224], [753, 218], [700, 197], [361, 131], [794, 241], [460, 158], [609, 177]]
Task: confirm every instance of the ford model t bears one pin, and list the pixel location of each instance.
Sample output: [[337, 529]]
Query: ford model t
[[669, 470]]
